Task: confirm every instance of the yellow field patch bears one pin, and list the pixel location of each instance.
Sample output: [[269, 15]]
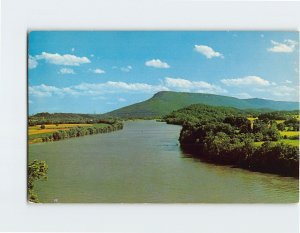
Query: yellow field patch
[[51, 128], [279, 121], [252, 118], [289, 133]]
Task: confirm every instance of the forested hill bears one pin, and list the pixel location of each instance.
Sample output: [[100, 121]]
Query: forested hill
[[165, 102]]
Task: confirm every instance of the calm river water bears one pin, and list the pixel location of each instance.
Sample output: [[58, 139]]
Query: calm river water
[[144, 163]]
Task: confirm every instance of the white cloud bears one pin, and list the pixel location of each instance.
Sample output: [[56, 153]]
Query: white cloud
[[280, 92], [156, 63], [121, 100], [112, 87], [32, 62], [207, 51], [243, 95], [287, 81], [44, 91], [181, 84], [288, 46], [98, 71], [66, 59], [250, 81], [95, 89], [66, 71], [126, 69], [258, 87]]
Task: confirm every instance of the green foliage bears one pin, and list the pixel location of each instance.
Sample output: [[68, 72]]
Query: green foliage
[[43, 126], [292, 124], [277, 158], [281, 126], [226, 136], [278, 115], [67, 118], [79, 131], [37, 170], [202, 113]]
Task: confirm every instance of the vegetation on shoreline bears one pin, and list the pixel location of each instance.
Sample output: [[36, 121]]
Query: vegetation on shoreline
[[36, 170], [44, 127], [227, 136]]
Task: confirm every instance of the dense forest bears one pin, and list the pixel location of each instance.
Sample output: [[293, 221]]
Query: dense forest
[[236, 137]]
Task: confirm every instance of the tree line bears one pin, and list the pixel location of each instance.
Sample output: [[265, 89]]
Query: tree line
[[79, 131]]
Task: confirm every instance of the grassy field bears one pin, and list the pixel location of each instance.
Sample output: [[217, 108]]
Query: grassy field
[[289, 133], [287, 141], [35, 133], [51, 128]]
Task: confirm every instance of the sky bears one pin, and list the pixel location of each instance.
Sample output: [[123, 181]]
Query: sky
[[99, 71]]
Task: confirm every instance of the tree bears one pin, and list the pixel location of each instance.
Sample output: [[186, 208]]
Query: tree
[[43, 126], [37, 170], [281, 126]]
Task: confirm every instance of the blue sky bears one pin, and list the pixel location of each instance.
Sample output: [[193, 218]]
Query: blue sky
[[99, 71]]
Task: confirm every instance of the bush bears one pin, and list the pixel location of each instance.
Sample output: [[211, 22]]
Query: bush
[[37, 170]]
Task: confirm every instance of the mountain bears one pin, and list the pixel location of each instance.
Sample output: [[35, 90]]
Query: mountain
[[164, 102]]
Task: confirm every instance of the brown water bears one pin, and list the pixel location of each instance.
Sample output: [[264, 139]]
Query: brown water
[[143, 163]]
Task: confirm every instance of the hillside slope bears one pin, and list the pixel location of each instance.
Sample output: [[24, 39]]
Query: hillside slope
[[164, 102]]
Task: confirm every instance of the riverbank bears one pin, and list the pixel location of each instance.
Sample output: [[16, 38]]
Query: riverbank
[[48, 133]]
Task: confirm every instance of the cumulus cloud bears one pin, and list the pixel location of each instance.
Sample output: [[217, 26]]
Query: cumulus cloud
[[66, 71], [156, 63], [126, 69], [288, 46], [207, 51], [32, 62], [94, 89], [181, 84], [258, 87], [98, 71], [280, 92], [66, 59], [113, 87], [246, 81], [44, 91]]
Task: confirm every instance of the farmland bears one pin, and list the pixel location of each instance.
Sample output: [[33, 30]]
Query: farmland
[[53, 132]]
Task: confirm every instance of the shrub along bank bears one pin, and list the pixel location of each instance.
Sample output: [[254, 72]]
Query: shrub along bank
[[76, 131]]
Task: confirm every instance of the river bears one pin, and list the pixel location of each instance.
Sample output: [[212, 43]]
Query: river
[[143, 163]]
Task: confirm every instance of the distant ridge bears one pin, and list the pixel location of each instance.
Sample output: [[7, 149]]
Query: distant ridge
[[164, 102]]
